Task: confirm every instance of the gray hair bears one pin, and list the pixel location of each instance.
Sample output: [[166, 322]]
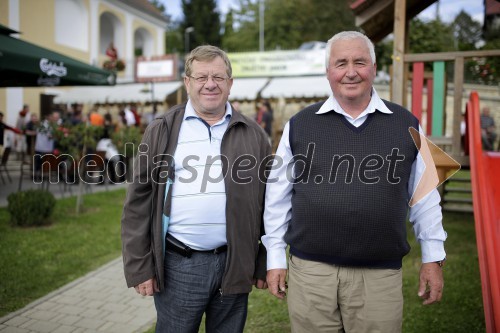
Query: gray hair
[[349, 35], [207, 53]]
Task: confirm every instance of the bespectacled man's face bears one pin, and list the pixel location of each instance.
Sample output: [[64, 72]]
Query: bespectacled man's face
[[209, 97]]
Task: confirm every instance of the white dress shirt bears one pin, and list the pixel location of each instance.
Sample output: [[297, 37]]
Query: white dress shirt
[[425, 215]]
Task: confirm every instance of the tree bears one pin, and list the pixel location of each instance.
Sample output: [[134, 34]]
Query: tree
[[288, 23], [173, 39], [383, 53], [467, 31], [159, 5], [321, 19], [228, 30], [203, 16], [281, 28], [432, 36], [246, 28]]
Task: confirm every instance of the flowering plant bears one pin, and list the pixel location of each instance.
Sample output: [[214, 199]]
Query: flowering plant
[[127, 140], [117, 65], [71, 139], [483, 71]]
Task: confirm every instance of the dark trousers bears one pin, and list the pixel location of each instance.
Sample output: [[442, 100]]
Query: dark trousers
[[192, 288]]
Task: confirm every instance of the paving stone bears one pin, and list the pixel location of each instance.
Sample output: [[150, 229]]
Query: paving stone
[[114, 307], [17, 321], [114, 298], [66, 319], [92, 304], [68, 300], [94, 295], [43, 326], [90, 313], [10, 329], [119, 318], [79, 330], [70, 309], [65, 329], [28, 323], [48, 306], [89, 323], [42, 315]]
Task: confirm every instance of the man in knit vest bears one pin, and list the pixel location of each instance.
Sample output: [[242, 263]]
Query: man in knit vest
[[340, 200]]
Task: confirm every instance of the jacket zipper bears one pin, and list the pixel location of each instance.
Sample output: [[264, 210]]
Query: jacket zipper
[[157, 275], [153, 212], [221, 290]]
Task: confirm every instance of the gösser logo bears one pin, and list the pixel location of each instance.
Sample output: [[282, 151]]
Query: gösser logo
[[51, 68]]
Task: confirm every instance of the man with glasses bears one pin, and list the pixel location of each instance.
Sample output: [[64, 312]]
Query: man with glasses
[[192, 219]]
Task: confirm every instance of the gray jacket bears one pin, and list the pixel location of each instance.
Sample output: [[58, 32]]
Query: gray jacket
[[143, 232]]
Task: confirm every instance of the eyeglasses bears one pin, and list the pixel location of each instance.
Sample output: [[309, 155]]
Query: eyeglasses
[[204, 79]]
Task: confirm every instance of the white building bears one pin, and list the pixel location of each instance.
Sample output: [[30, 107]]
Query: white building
[[81, 29]]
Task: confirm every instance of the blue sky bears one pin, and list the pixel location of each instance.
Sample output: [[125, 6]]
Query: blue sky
[[448, 9]]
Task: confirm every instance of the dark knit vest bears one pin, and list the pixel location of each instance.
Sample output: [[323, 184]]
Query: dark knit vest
[[350, 193]]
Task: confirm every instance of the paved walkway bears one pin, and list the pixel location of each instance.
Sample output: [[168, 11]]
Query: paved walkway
[[98, 302]]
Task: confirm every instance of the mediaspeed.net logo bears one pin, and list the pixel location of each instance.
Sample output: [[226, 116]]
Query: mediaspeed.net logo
[[201, 172]]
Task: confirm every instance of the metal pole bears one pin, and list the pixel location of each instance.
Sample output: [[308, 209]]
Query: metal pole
[[186, 39], [153, 95], [261, 25]]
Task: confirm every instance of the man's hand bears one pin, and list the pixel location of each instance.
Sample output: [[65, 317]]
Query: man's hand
[[259, 284], [147, 288], [276, 281], [431, 277]]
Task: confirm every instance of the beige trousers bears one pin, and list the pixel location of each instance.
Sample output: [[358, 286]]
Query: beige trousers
[[330, 298]]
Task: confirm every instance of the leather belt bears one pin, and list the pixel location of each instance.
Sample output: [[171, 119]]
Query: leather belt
[[179, 247]]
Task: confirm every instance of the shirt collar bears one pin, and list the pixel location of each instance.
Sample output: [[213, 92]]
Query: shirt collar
[[376, 104], [190, 113]]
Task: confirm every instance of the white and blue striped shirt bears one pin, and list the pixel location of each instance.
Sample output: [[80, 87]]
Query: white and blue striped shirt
[[198, 209]]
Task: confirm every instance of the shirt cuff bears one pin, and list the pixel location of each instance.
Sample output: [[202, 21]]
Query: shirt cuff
[[432, 250], [276, 258]]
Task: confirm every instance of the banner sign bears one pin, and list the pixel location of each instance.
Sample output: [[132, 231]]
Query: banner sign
[[157, 69], [278, 63]]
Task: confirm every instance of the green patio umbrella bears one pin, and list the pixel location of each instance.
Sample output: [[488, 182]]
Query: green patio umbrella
[[24, 64]]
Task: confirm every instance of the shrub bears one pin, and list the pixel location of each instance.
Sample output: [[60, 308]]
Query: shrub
[[30, 208]]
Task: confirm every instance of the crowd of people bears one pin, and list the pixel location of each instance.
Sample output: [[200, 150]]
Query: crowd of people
[[33, 138]]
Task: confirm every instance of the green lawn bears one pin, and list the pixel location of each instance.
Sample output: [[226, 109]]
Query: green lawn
[[36, 261]]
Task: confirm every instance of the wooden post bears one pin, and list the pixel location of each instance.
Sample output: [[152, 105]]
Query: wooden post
[[457, 105], [398, 86], [430, 89]]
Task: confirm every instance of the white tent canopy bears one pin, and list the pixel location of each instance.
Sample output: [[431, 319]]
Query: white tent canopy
[[242, 89], [298, 87], [247, 89], [124, 93]]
